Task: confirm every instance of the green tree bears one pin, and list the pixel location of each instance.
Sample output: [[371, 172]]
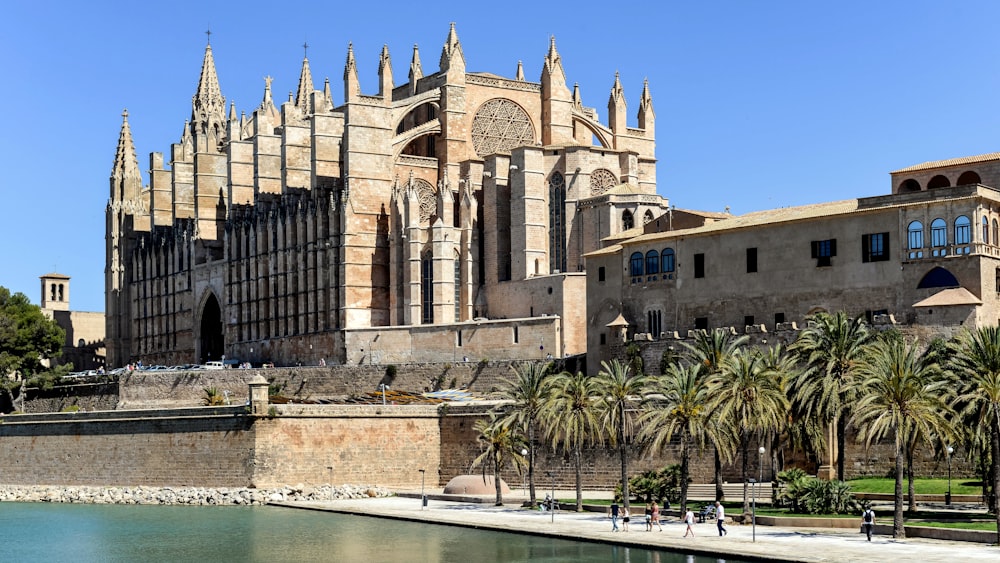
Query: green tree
[[709, 351], [976, 363], [620, 391], [528, 392], [571, 418], [501, 445], [831, 346], [677, 403], [901, 393], [27, 340], [750, 396]]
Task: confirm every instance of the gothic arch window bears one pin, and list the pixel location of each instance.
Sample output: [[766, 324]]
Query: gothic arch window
[[458, 288], [635, 264], [601, 180], [652, 262], [996, 233], [62, 294], [915, 239], [52, 292], [939, 237], [986, 230], [499, 126], [557, 223], [427, 288], [667, 260], [628, 221], [909, 186], [968, 177], [938, 277], [938, 181], [427, 196]]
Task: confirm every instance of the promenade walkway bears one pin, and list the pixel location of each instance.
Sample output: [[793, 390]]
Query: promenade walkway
[[772, 543]]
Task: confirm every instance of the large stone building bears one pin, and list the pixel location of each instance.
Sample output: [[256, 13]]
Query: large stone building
[[84, 345], [442, 218], [926, 258]]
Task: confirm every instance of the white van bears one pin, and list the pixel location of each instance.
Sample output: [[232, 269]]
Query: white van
[[213, 365]]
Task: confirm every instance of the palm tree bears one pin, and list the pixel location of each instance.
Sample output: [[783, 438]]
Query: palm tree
[[571, 418], [831, 347], [501, 445], [901, 393], [709, 351], [797, 430], [977, 363], [750, 396], [528, 390], [619, 390], [677, 403]]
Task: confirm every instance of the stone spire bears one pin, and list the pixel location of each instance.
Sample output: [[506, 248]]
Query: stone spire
[[519, 75], [327, 94], [385, 83], [352, 87], [303, 97], [416, 72], [126, 180], [647, 117], [553, 61], [616, 106], [577, 99], [208, 107], [452, 58]]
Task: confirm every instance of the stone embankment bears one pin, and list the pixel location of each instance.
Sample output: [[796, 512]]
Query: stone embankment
[[185, 495]]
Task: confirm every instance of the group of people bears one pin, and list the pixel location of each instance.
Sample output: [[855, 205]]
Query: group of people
[[651, 515]]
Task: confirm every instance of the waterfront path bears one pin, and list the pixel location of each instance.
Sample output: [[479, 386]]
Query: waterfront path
[[773, 543]]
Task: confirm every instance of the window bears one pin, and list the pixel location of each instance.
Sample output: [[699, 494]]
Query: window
[[875, 247], [654, 322], [604, 339], [600, 274], [939, 237], [915, 239], [963, 233], [998, 281], [515, 335], [747, 320], [751, 262], [627, 220], [986, 230], [635, 264], [652, 262], [458, 292], [699, 265], [823, 251], [667, 260], [996, 233], [779, 318], [701, 323], [557, 223], [427, 289]]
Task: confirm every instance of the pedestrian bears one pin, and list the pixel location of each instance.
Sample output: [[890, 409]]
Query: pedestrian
[[656, 516], [613, 511], [625, 518], [649, 517], [689, 520], [868, 520], [720, 518]]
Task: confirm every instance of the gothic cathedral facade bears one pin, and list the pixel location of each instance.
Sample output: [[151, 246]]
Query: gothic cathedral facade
[[439, 219]]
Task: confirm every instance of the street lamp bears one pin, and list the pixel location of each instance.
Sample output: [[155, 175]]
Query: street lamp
[[552, 499], [753, 514], [524, 476], [947, 496], [383, 387], [423, 497]]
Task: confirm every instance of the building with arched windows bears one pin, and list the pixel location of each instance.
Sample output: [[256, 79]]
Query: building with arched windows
[[925, 258], [444, 217], [84, 345]]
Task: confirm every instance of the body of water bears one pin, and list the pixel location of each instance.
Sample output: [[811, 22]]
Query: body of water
[[84, 533]]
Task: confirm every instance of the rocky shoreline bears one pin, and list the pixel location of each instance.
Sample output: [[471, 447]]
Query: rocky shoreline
[[195, 496]]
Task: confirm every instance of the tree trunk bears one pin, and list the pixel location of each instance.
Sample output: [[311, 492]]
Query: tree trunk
[[841, 445], [685, 460], [720, 494], [623, 452], [911, 491], [996, 465], [578, 461], [898, 531], [496, 479], [531, 464], [745, 446]]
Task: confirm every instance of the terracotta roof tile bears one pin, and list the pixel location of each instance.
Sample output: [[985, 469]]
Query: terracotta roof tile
[[946, 297], [950, 162]]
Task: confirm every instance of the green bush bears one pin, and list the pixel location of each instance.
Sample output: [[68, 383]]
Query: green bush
[[801, 493], [662, 485]]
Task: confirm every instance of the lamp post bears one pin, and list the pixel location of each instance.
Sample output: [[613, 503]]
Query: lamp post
[[383, 387], [947, 496], [524, 476], [423, 497], [552, 499], [753, 514]]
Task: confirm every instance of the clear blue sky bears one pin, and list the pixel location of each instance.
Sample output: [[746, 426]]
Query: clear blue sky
[[758, 104]]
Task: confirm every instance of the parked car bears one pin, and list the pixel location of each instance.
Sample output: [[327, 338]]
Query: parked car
[[213, 365]]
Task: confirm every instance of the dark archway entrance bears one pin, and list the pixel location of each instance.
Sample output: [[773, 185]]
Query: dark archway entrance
[[212, 341]]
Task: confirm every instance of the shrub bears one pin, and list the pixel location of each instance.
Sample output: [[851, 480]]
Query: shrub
[[213, 397], [662, 486], [802, 493], [71, 408]]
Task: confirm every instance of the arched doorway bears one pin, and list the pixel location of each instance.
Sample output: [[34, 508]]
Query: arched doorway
[[212, 342]]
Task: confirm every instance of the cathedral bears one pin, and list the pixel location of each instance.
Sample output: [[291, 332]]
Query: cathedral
[[442, 219]]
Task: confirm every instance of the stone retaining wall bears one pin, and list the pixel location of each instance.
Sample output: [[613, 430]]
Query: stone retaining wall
[[189, 496]]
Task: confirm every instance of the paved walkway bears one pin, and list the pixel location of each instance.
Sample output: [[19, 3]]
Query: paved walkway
[[772, 543]]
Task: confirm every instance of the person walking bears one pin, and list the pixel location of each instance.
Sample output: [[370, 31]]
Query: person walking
[[656, 516], [689, 520], [649, 517], [720, 518], [625, 518], [613, 512], [868, 520]]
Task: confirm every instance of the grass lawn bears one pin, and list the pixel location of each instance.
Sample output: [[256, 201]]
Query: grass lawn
[[921, 486], [988, 526]]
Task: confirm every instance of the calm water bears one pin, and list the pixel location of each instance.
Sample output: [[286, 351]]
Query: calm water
[[112, 533]]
